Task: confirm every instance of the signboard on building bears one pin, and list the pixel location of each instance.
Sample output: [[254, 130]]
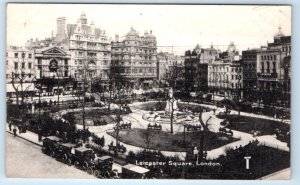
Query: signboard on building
[[53, 65]]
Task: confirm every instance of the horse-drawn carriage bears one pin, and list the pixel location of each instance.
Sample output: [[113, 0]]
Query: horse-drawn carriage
[[191, 128], [101, 167], [117, 148], [123, 126], [155, 126], [226, 131]]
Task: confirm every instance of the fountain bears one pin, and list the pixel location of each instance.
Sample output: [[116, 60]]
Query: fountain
[[171, 102], [163, 117]]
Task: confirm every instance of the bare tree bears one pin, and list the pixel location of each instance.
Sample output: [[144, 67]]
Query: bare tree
[[171, 78], [118, 84]]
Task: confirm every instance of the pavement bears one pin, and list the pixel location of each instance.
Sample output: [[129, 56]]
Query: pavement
[[33, 138], [25, 160]]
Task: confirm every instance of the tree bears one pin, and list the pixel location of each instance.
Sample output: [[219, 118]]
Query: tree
[[171, 78], [84, 78], [202, 133], [21, 82], [117, 85]]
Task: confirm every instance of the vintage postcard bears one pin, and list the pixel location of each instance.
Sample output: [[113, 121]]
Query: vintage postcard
[[148, 91]]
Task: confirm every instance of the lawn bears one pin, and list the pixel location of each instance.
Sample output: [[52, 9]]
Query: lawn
[[94, 114], [168, 142], [248, 124]]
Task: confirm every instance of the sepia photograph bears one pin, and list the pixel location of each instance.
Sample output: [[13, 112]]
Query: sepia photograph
[[148, 91]]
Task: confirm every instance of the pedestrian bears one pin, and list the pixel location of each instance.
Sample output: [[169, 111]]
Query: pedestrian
[[15, 131], [9, 126], [19, 127]]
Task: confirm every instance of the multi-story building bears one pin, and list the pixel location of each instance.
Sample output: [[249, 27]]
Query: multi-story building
[[53, 74], [273, 70], [89, 48], [20, 71], [249, 59], [225, 74], [167, 60], [136, 58], [196, 67]]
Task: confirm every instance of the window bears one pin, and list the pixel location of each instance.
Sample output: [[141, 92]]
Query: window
[[274, 67], [29, 75], [262, 67], [268, 67], [23, 65], [29, 65], [16, 65], [23, 55], [16, 55], [274, 57], [29, 55], [262, 57]]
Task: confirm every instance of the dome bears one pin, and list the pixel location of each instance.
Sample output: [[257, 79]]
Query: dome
[[279, 33], [150, 35], [83, 15], [132, 32]]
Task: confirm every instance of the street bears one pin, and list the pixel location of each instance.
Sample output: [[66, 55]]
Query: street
[[25, 160]]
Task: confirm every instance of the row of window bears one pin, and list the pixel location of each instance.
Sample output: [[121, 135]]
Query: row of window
[[22, 75], [23, 55], [268, 67], [250, 66], [268, 57], [233, 69], [233, 85], [23, 65]]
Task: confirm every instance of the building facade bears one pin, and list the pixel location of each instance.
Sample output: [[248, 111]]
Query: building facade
[[20, 71], [225, 74], [53, 71], [165, 61], [196, 67], [273, 70], [88, 46], [249, 59], [136, 58]]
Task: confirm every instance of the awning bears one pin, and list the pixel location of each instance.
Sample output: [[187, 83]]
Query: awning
[[25, 87]]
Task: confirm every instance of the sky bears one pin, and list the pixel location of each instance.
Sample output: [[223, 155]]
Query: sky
[[180, 26]]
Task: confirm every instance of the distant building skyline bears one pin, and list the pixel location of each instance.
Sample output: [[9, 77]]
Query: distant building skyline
[[201, 24]]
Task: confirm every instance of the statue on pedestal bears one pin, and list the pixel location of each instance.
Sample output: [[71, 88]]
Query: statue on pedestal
[[171, 102]]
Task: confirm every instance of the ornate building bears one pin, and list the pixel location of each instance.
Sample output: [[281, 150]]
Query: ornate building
[[53, 71], [273, 70], [88, 45], [225, 74], [136, 58], [89, 48]]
